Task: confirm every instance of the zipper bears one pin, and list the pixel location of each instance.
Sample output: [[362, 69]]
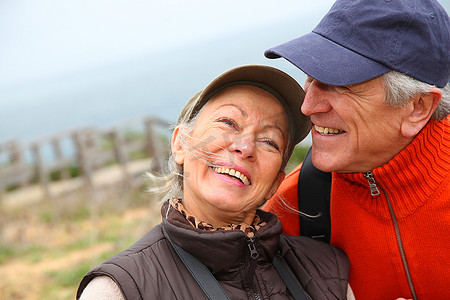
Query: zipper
[[250, 279], [255, 290], [374, 191]]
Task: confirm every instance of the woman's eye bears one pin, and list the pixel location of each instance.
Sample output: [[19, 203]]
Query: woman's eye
[[228, 121], [272, 144]]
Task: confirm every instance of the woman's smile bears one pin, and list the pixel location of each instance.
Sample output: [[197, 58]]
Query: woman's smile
[[232, 175]]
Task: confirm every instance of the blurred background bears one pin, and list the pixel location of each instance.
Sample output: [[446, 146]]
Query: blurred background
[[105, 79], [66, 64]]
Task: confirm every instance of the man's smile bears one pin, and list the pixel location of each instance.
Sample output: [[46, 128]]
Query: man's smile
[[327, 130]]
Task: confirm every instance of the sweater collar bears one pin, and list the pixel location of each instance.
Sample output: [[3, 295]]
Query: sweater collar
[[231, 246], [411, 177]]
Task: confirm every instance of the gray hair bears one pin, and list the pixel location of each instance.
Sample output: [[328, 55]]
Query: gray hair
[[400, 88], [169, 185]]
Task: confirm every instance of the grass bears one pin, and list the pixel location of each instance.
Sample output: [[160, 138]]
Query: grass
[[6, 253], [46, 248]]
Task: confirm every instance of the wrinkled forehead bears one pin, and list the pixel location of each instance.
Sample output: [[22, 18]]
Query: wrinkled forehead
[[252, 106]]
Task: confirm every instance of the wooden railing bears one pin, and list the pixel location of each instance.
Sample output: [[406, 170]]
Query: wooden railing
[[81, 153]]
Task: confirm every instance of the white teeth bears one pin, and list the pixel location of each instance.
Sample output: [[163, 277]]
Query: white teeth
[[326, 130], [234, 173]]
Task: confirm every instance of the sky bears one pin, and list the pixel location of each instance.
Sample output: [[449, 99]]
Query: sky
[[46, 38], [79, 63], [66, 64]]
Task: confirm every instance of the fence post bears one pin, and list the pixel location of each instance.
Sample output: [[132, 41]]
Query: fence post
[[64, 172], [40, 170], [120, 153], [152, 145], [17, 158], [83, 162]]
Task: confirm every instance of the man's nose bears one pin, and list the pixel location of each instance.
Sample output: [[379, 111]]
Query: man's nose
[[316, 98]]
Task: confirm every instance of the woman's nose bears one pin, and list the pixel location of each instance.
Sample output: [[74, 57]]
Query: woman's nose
[[316, 98], [244, 146]]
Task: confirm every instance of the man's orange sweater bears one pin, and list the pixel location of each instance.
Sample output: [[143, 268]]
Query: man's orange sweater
[[417, 181]]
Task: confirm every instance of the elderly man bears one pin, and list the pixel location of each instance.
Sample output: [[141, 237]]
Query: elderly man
[[377, 93]]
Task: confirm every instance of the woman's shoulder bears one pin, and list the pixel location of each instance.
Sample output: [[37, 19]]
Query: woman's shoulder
[[321, 268], [142, 255], [148, 240], [135, 260], [305, 248]]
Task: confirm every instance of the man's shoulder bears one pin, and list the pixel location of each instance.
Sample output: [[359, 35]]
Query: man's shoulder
[[288, 188], [294, 173], [285, 203]]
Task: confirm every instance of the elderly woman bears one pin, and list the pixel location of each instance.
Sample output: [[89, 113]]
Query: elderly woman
[[229, 149]]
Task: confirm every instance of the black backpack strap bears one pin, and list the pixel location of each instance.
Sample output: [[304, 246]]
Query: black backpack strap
[[289, 279], [200, 272], [314, 188]]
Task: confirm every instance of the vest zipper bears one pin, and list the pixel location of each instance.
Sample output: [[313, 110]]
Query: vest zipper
[[250, 279], [374, 191]]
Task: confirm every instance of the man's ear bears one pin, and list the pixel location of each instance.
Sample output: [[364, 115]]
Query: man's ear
[[421, 108], [177, 146], [276, 183]]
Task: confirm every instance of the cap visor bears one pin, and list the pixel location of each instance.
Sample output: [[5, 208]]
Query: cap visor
[[326, 61], [290, 91]]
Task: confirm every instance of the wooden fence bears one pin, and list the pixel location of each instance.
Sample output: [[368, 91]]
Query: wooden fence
[[81, 153]]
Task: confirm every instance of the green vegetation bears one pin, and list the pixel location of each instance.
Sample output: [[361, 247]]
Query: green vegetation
[[297, 157], [6, 252], [72, 171]]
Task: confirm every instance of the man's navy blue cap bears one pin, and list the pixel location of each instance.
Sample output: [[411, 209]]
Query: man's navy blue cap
[[358, 40]]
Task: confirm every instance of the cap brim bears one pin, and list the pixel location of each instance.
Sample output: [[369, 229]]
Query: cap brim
[[327, 61], [288, 88]]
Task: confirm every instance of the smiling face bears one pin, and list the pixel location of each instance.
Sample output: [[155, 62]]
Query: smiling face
[[233, 156], [353, 129]]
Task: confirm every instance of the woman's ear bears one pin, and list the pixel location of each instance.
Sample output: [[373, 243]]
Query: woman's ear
[[276, 183], [421, 108], [177, 146]]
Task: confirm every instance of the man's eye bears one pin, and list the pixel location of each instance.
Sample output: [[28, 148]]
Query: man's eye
[[342, 88]]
